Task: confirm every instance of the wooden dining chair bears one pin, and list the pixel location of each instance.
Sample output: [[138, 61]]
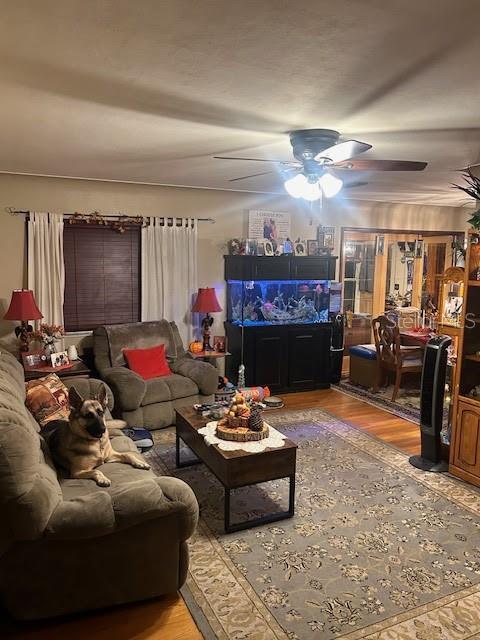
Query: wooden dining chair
[[392, 356]]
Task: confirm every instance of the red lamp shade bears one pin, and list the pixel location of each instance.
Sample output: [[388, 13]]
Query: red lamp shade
[[23, 306], [206, 301]]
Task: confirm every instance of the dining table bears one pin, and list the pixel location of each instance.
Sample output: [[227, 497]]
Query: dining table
[[415, 337]]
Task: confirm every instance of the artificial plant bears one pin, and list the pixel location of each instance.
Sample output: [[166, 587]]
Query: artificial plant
[[472, 189]]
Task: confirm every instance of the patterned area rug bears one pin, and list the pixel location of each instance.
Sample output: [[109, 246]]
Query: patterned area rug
[[407, 404], [377, 549]]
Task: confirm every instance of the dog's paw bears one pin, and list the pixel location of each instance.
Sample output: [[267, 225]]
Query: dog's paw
[[102, 480], [140, 464]]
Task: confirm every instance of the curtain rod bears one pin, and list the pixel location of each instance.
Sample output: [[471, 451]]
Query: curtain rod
[[17, 212]]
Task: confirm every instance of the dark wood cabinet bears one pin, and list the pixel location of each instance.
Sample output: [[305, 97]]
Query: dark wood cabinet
[[284, 358], [280, 267]]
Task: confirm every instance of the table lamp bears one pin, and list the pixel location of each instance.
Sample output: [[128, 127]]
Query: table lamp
[[206, 302], [24, 308]]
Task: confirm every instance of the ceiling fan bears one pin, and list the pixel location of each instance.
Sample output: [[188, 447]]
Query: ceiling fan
[[321, 162]]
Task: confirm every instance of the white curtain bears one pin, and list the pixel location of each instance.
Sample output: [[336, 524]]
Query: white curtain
[[169, 272], [46, 269]]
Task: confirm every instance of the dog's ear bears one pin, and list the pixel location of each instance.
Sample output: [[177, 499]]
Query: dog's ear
[[75, 399], [102, 396]]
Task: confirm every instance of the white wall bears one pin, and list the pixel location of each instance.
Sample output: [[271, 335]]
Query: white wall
[[230, 210]]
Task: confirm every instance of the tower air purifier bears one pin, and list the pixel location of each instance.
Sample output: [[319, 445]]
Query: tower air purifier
[[336, 346], [431, 405]]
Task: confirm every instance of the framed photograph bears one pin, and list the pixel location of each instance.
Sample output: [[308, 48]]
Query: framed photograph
[[220, 344], [34, 360], [299, 249], [326, 236], [60, 359], [379, 245], [324, 251], [250, 247], [260, 248], [312, 247], [268, 248]]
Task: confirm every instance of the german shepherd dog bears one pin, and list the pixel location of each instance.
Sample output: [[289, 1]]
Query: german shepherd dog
[[82, 444]]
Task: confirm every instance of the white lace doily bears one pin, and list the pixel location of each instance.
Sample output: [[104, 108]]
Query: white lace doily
[[274, 441]]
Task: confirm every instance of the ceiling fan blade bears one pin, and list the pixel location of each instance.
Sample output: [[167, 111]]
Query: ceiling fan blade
[[381, 165], [287, 162], [342, 151], [252, 175], [352, 185]]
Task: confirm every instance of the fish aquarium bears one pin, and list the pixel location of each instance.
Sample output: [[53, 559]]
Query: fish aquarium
[[267, 302]]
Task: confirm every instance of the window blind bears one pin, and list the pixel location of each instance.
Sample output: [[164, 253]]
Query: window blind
[[102, 276]]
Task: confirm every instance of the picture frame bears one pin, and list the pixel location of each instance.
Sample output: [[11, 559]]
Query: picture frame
[[33, 360], [379, 245], [250, 247], [324, 251], [312, 247], [220, 344], [328, 240], [326, 237], [260, 248], [268, 248], [59, 359], [299, 249]]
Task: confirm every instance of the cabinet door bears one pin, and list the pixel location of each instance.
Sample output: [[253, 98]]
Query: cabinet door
[[239, 267], [302, 356], [271, 358], [467, 438], [271, 268], [312, 268], [308, 356]]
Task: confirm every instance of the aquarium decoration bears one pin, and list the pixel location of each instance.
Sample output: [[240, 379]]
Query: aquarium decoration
[[265, 302]]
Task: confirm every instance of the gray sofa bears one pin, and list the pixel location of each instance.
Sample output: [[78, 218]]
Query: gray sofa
[[68, 545], [151, 403]]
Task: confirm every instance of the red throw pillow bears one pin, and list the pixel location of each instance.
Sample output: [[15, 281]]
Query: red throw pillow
[[148, 363]]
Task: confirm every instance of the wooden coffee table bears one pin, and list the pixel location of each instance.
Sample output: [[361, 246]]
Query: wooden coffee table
[[239, 468]]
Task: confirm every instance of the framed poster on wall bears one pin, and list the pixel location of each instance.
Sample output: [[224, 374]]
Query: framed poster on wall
[[269, 225]]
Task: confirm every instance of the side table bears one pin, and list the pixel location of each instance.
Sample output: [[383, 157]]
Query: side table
[[79, 370], [210, 356]]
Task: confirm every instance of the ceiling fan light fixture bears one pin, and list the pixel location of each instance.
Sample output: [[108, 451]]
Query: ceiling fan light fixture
[[295, 186], [330, 185], [311, 191]]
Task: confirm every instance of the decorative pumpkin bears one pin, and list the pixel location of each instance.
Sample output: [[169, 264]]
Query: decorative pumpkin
[[196, 347]]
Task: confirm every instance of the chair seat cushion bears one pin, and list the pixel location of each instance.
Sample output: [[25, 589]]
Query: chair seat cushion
[[367, 351], [167, 388], [157, 390], [180, 386]]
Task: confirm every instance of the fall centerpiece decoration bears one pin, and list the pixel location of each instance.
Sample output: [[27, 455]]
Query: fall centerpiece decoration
[[243, 421]]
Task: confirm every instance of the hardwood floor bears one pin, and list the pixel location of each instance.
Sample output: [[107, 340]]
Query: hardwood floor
[[396, 431], [168, 618]]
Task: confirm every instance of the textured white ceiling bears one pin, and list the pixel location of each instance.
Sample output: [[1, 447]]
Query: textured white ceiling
[[149, 90]]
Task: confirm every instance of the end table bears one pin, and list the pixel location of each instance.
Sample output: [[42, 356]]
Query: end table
[[79, 370]]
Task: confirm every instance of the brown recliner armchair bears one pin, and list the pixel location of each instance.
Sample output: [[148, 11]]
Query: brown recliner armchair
[[151, 403], [69, 545]]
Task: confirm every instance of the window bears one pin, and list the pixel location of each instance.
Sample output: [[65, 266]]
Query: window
[[102, 276]]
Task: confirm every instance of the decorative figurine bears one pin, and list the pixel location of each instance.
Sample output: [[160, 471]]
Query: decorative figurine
[[287, 247], [241, 376]]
